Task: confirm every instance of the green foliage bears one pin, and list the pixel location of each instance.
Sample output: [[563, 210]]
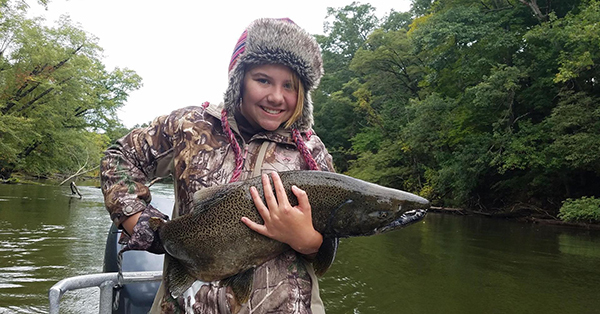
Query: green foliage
[[55, 96], [574, 126], [336, 119], [585, 209], [472, 103], [420, 7]]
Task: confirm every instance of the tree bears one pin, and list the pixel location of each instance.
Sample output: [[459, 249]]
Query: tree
[[481, 104], [335, 118], [55, 93]]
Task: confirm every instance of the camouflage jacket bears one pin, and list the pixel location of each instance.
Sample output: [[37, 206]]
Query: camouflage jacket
[[190, 145]]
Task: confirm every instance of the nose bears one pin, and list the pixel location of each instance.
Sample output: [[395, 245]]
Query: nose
[[276, 95]]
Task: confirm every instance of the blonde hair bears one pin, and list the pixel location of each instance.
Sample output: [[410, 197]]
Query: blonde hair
[[299, 87]]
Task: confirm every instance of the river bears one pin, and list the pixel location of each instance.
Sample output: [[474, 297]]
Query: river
[[445, 264]]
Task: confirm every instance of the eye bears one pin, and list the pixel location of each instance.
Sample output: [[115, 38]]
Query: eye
[[379, 214], [262, 81], [289, 86]]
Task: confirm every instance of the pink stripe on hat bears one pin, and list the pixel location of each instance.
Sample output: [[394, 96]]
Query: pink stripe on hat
[[240, 46], [239, 49]]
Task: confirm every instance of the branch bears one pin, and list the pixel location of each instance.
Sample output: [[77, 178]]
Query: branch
[[156, 180], [79, 172], [75, 190], [29, 149], [31, 102], [535, 8], [38, 70], [40, 96], [61, 63], [482, 3]]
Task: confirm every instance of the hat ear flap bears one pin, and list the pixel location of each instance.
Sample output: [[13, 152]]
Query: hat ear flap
[[233, 94]]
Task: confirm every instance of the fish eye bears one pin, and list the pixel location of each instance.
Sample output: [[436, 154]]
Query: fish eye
[[379, 214]]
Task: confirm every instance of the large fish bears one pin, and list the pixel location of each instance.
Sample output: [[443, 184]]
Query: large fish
[[211, 243]]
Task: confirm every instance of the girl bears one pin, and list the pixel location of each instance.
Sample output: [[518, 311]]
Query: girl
[[263, 126]]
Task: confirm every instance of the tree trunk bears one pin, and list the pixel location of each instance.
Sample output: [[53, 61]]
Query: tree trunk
[[532, 4]]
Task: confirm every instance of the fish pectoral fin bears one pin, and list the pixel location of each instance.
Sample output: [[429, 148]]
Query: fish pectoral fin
[[155, 223], [330, 228], [177, 279], [325, 256], [241, 285]]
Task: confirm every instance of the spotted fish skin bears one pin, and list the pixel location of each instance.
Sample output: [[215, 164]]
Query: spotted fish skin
[[211, 243]]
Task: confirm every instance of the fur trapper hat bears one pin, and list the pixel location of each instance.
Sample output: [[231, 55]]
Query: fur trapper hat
[[276, 41]]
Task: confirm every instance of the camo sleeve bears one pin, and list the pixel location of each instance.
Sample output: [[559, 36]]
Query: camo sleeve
[[130, 163]]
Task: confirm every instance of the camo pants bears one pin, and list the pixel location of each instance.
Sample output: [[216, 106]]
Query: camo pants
[[281, 285]]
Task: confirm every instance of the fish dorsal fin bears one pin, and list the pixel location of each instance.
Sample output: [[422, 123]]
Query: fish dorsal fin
[[177, 279], [209, 195], [241, 285]]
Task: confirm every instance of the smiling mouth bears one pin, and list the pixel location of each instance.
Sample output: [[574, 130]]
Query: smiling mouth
[[271, 111]]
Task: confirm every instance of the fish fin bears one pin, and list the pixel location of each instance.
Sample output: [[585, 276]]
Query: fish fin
[[330, 228], [241, 285], [325, 256], [155, 223], [178, 280]]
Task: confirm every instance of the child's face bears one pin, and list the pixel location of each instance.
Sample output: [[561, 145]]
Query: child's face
[[269, 97]]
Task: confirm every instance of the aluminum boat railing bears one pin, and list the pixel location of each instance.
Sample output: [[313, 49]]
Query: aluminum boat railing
[[105, 281]]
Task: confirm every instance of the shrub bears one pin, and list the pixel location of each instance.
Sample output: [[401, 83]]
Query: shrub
[[583, 209]]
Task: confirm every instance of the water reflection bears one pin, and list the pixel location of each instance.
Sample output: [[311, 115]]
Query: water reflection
[[451, 264], [446, 264], [38, 230]]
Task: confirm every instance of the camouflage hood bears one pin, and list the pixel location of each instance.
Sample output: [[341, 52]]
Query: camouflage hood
[[276, 41]]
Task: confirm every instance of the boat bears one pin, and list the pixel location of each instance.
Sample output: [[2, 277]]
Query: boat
[[133, 294]]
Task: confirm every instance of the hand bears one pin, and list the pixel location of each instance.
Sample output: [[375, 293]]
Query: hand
[[142, 236], [284, 223]]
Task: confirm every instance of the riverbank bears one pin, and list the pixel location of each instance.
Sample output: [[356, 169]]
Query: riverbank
[[520, 215], [19, 178]]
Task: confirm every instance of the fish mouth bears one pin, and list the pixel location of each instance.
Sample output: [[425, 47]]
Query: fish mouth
[[408, 218]]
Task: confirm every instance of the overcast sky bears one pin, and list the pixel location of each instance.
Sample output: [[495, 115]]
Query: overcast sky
[[181, 49]]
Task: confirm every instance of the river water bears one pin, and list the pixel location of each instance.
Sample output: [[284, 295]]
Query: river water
[[445, 264]]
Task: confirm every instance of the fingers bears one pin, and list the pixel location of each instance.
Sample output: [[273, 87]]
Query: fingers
[[268, 191], [303, 202], [280, 190], [260, 206], [263, 210], [262, 229]]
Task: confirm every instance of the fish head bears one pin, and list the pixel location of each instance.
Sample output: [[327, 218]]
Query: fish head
[[375, 209]]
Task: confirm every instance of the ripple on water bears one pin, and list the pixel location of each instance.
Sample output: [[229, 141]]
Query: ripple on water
[[26, 309], [18, 276]]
